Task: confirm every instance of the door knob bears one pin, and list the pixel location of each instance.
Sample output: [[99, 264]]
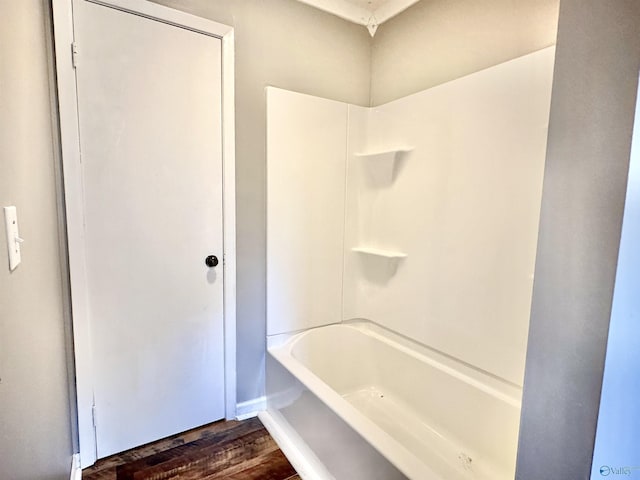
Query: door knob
[[211, 261]]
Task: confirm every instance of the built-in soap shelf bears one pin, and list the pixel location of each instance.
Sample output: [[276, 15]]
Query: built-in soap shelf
[[377, 252], [379, 265], [383, 163], [387, 155]]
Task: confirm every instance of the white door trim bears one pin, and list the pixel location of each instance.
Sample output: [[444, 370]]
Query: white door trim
[[73, 192]]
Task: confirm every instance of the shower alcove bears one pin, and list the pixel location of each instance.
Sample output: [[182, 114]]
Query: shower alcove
[[401, 242]]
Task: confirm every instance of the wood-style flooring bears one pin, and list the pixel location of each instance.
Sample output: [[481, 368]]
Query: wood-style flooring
[[222, 450]]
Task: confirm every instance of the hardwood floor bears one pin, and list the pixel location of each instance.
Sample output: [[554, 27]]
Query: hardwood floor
[[222, 450]]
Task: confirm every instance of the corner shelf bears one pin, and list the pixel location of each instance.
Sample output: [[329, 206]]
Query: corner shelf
[[388, 254], [379, 265], [384, 162], [387, 155]]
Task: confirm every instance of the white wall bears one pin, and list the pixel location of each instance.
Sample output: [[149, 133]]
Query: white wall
[[286, 44], [435, 41], [618, 433], [463, 205], [35, 424]]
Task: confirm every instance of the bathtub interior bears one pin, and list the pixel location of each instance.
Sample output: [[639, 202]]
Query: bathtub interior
[[330, 446], [459, 421]]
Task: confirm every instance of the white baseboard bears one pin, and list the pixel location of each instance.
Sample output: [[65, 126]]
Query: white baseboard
[[299, 454], [76, 471], [250, 408]]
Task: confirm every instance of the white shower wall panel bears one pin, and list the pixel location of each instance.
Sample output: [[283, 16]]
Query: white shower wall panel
[[306, 151], [463, 205]]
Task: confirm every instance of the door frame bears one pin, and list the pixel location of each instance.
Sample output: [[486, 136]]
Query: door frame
[[74, 194]]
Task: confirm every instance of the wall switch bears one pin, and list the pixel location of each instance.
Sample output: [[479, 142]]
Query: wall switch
[[13, 237]]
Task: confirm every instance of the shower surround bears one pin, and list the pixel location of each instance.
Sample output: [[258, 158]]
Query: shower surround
[[401, 244]]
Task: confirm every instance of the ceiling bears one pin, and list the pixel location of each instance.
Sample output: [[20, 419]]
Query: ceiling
[[370, 13]]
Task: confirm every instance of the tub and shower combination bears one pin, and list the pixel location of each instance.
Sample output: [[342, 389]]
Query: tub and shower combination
[[400, 253]]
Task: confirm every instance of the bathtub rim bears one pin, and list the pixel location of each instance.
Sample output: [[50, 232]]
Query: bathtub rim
[[486, 381]]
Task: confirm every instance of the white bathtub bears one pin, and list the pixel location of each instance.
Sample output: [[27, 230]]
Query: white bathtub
[[429, 415]]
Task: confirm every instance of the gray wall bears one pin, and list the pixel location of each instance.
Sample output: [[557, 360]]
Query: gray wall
[[290, 45], [592, 112], [286, 44], [35, 424], [435, 41]]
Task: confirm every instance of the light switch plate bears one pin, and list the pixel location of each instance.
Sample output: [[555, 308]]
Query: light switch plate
[[13, 237]]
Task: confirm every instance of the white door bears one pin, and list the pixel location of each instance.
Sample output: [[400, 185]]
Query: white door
[[149, 101]]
